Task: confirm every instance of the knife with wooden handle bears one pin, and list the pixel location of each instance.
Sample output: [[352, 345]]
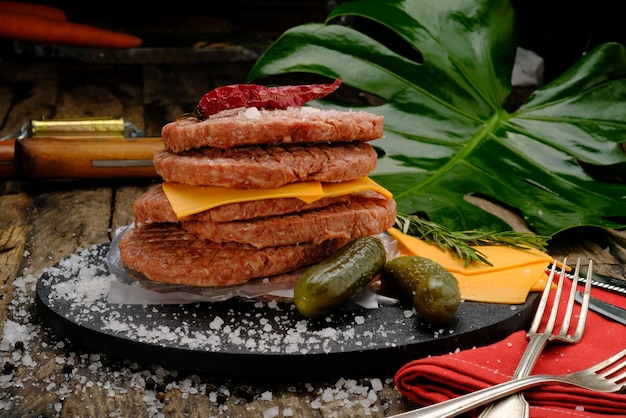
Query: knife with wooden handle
[[78, 149], [78, 158]]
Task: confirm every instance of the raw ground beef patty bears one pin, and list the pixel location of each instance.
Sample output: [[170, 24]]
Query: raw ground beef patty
[[361, 216], [153, 206], [267, 166], [165, 252], [234, 128]]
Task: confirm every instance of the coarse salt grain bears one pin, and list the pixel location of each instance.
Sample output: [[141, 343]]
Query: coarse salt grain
[[271, 412], [216, 323], [377, 384], [252, 113]]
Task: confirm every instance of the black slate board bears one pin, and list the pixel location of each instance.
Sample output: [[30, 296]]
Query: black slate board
[[255, 339]]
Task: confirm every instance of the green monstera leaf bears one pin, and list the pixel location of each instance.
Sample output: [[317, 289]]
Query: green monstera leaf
[[447, 133]]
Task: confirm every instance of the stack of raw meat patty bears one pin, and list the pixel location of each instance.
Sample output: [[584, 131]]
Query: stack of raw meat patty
[[250, 148]]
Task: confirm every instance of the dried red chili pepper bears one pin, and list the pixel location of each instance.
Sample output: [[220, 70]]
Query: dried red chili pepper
[[263, 97]]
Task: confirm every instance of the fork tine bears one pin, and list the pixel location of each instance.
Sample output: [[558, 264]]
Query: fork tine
[[618, 367], [608, 362], [618, 377], [544, 300], [615, 374], [584, 307], [622, 376], [570, 303], [557, 299]]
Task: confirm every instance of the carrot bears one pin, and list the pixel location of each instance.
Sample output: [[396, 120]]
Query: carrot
[[28, 28], [35, 9]]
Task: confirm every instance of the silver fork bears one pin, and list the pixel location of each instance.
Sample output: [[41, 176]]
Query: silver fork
[[606, 376], [516, 405]]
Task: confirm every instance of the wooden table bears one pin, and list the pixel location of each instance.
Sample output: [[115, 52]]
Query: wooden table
[[42, 222]]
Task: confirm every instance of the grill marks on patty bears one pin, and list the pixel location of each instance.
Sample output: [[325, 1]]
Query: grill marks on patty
[[191, 252], [361, 216], [166, 252], [267, 166]]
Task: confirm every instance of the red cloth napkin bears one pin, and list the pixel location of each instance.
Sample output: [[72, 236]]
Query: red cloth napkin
[[436, 379]]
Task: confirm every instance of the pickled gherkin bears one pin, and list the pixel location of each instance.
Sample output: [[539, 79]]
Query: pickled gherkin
[[433, 289], [326, 286]]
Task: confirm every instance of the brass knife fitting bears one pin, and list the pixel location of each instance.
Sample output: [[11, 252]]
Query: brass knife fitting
[[67, 128]]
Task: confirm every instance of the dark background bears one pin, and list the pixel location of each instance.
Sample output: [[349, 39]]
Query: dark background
[[562, 31], [559, 31]]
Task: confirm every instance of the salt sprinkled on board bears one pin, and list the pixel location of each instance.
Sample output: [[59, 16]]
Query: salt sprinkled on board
[[86, 291]]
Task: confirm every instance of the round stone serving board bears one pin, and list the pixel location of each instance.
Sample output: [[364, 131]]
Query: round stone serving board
[[255, 339]]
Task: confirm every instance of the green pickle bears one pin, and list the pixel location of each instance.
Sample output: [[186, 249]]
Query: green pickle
[[329, 284], [434, 290]]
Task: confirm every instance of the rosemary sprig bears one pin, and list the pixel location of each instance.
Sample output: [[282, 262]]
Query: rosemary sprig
[[461, 243]]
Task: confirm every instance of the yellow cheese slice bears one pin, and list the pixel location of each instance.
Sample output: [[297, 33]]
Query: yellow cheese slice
[[354, 186], [514, 272], [187, 200]]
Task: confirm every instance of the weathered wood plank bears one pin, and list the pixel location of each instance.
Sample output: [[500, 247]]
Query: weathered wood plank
[[12, 240], [67, 219], [607, 249], [108, 91], [34, 91], [13, 235]]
